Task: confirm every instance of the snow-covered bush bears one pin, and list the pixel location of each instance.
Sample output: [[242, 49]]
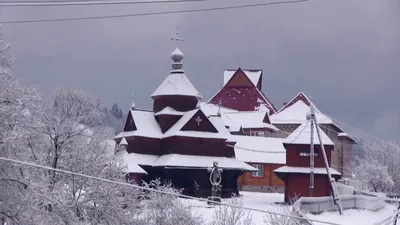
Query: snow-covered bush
[[165, 209], [228, 215]]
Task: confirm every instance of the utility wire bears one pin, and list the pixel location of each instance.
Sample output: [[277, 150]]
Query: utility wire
[[85, 3], [155, 13], [157, 191]]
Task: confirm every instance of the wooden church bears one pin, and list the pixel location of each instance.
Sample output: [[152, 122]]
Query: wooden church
[[178, 141]]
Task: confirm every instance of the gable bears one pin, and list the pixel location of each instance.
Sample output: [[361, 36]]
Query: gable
[[130, 123], [199, 122], [239, 78], [266, 118], [255, 76], [299, 97]]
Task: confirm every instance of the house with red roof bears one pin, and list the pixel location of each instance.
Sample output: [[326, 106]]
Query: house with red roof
[[242, 91]]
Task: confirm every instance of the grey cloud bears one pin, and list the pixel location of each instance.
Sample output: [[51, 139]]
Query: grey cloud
[[344, 53]]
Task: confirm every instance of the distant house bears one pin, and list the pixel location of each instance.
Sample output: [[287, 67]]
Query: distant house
[[296, 172], [242, 91]]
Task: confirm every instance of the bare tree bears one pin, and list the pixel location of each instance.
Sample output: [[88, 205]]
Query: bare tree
[[229, 215]]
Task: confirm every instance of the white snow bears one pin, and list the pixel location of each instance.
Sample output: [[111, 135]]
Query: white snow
[[169, 111], [146, 125], [296, 114], [355, 216], [254, 149], [302, 135], [254, 77], [268, 202], [212, 109], [194, 161], [176, 84], [318, 170], [248, 119], [261, 201], [187, 161], [123, 142], [132, 166]]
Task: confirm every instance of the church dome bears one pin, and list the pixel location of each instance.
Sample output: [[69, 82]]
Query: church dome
[[177, 55]]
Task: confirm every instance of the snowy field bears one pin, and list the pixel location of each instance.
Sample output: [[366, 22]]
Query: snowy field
[[273, 201]]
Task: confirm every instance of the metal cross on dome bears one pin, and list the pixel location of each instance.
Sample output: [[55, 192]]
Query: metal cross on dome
[[198, 120], [177, 38]]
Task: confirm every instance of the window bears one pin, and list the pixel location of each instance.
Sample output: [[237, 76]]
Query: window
[[306, 152], [257, 133], [260, 172]]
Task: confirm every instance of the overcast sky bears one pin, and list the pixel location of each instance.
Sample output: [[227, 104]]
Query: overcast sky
[[344, 53]]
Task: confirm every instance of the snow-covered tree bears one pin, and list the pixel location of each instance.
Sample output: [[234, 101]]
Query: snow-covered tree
[[376, 169]]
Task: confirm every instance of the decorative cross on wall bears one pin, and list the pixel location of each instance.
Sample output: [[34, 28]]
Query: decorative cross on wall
[[177, 38], [198, 120]]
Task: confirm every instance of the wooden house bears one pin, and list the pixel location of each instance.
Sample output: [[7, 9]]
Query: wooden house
[[293, 114], [296, 173]]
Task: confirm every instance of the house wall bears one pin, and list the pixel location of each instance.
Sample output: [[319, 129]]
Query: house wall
[[268, 183], [293, 157], [267, 132], [298, 185], [342, 157]]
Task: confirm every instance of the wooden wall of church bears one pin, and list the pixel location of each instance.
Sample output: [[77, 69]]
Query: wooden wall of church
[[144, 145], [293, 157], [179, 103], [198, 146]]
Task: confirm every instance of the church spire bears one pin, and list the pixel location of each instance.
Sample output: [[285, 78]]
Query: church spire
[[177, 55]]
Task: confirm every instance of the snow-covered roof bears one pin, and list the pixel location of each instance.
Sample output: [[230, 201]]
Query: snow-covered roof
[[132, 166], [212, 109], [249, 119], [169, 111], [296, 114], [189, 161], [306, 170], [146, 125], [302, 135], [253, 75], [176, 84], [175, 130], [193, 161], [252, 149]]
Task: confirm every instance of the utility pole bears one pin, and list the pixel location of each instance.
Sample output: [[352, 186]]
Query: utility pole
[[335, 194], [397, 214], [310, 117]]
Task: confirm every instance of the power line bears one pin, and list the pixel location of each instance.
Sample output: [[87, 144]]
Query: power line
[[157, 191], [85, 3], [155, 13]]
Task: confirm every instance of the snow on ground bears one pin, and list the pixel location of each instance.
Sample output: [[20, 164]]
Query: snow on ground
[[354, 216], [262, 201], [272, 202]]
